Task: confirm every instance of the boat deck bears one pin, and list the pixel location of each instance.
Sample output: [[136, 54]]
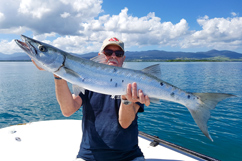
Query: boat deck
[[59, 140]]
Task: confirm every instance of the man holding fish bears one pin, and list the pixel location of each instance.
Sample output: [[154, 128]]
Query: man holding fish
[[109, 124], [113, 96]]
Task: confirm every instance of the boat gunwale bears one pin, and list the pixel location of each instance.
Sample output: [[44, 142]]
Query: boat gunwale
[[176, 147]]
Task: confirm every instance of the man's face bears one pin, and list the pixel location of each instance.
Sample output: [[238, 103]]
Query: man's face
[[113, 59]]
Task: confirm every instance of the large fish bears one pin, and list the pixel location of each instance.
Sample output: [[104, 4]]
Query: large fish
[[113, 80]]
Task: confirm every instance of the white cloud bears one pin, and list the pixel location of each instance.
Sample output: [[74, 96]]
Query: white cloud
[[8, 47], [43, 37], [65, 15], [46, 16], [147, 30], [77, 26], [2, 17], [74, 44], [35, 8], [218, 33], [233, 14], [13, 30]]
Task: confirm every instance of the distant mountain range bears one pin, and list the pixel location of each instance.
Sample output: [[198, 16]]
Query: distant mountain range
[[145, 55]]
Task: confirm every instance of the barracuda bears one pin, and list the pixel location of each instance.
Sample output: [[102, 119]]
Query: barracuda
[[111, 80]]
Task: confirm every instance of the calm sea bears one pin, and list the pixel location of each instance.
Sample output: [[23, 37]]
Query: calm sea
[[28, 95]]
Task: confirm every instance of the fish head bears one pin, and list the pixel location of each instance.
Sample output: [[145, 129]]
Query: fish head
[[45, 56]]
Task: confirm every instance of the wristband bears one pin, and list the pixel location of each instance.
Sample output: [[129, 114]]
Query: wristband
[[126, 102], [58, 78]]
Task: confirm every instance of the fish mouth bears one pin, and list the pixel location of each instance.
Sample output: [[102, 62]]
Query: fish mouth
[[26, 45]]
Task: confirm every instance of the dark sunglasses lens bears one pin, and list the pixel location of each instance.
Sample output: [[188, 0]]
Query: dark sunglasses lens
[[108, 52], [118, 53]]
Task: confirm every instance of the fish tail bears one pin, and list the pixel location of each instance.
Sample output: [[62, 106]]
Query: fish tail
[[201, 113]]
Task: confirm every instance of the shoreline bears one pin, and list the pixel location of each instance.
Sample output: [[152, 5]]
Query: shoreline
[[156, 60]]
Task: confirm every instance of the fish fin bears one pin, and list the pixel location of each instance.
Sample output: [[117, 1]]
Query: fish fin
[[153, 70], [201, 113], [76, 77], [155, 100], [77, 89], [100, 59], [71, 72]]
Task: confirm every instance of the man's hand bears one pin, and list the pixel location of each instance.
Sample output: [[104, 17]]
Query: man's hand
[[133, 96], [127, 113]]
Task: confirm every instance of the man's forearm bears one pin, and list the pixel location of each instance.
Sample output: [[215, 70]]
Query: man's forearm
[[64, 98], [127, 114]]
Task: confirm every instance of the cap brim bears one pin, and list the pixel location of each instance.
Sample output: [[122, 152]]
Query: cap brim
[[111, 44]]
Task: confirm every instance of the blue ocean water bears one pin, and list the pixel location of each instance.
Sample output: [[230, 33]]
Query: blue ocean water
[[28, 95]]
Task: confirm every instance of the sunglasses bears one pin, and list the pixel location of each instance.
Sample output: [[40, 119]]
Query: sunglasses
[[118, 53]]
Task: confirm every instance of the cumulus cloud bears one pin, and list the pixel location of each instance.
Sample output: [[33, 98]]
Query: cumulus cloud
[[65, 15], [233, 14], [147, 30], [219, 33], [60, 16], [80, 26], [8, 47], [1, 17], [36, 9]]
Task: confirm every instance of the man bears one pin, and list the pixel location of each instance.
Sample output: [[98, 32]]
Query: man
[[109, 124]]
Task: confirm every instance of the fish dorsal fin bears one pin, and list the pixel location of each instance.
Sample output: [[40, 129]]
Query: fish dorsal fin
[[100, 59], [153, 70]]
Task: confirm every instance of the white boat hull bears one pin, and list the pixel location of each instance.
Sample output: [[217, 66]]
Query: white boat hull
[[59, 140]]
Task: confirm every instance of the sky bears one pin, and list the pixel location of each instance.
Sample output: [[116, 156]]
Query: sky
[[80, 26]]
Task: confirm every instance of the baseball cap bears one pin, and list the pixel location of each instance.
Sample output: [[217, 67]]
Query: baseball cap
[[112, 41]]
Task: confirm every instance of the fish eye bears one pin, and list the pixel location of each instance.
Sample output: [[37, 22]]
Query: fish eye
[[42, 48]]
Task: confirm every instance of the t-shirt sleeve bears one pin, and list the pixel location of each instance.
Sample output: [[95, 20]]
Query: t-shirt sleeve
[[83, 96], [141, 109]]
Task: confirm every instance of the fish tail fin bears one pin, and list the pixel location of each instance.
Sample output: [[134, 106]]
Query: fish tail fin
[[201, 113]]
